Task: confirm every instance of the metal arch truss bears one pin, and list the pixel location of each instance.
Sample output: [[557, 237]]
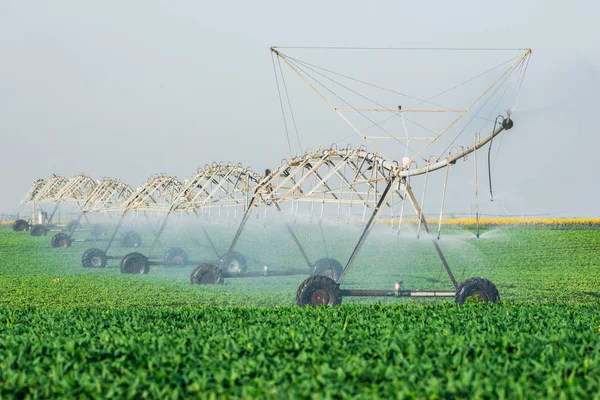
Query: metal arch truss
[[328, 176], [48, 191], [30, 196], [156, 195], [33, 192], [43, 191], [76, 190], [109, 195], [342, 112], [343, 178], [218, 185]]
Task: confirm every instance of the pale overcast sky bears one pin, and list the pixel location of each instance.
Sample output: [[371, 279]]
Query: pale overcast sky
[[128, 89]]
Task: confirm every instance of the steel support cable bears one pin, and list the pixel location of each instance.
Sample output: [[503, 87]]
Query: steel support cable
[[297, 69], [289, 103], [373, 124], [496, 123], [519, 70], [344, 101], [492, 139], [421, 101], [521, 83], [363, 82], [395, 115], [475, 102], [471, 79], [516, 103], [287, 134], [473, 117], [401, 48]]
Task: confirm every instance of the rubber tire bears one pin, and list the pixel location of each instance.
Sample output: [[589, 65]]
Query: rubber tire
[[484, 289], [318, 290], [329, 267], [93, 258], [72, 225], [237, 264], [135, 263], [20, 225], [131, 239], [38, 230], [60, 240], [206, 274], [175, 256]]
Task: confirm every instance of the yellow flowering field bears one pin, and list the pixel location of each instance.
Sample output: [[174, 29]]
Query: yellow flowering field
[[557, 223]]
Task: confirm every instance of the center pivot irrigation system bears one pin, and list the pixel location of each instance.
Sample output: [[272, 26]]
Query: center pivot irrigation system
[[212, 189], [154, 197], [355, 184], [384, 181], [57, 191], [221, 189], [106, 199]]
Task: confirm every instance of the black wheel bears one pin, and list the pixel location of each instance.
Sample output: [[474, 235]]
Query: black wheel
[[329, 267], [206, 274], [131, 239], [318, 290], [38, 230], [72, 225], [476, 290], [135, 263], [93, 258], [20, 225], [175, 256], [236, 264], [60, 240]]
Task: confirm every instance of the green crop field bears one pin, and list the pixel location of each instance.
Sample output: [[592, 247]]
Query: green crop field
[[67, 331]]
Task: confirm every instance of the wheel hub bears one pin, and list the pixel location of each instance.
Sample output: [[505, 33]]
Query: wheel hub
[[96, 261], [479, 296], [319, 296], [234, 267]]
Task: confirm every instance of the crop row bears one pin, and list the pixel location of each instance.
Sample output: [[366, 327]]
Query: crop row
[[546, 265], [476, 351]]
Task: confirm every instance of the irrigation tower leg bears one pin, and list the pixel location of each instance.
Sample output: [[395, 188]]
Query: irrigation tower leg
[[238, 233], [81, 215], [56, 207], [367, 229], [418, 210], [160, 231], [241, 228], [112, 238], [212, 245]]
